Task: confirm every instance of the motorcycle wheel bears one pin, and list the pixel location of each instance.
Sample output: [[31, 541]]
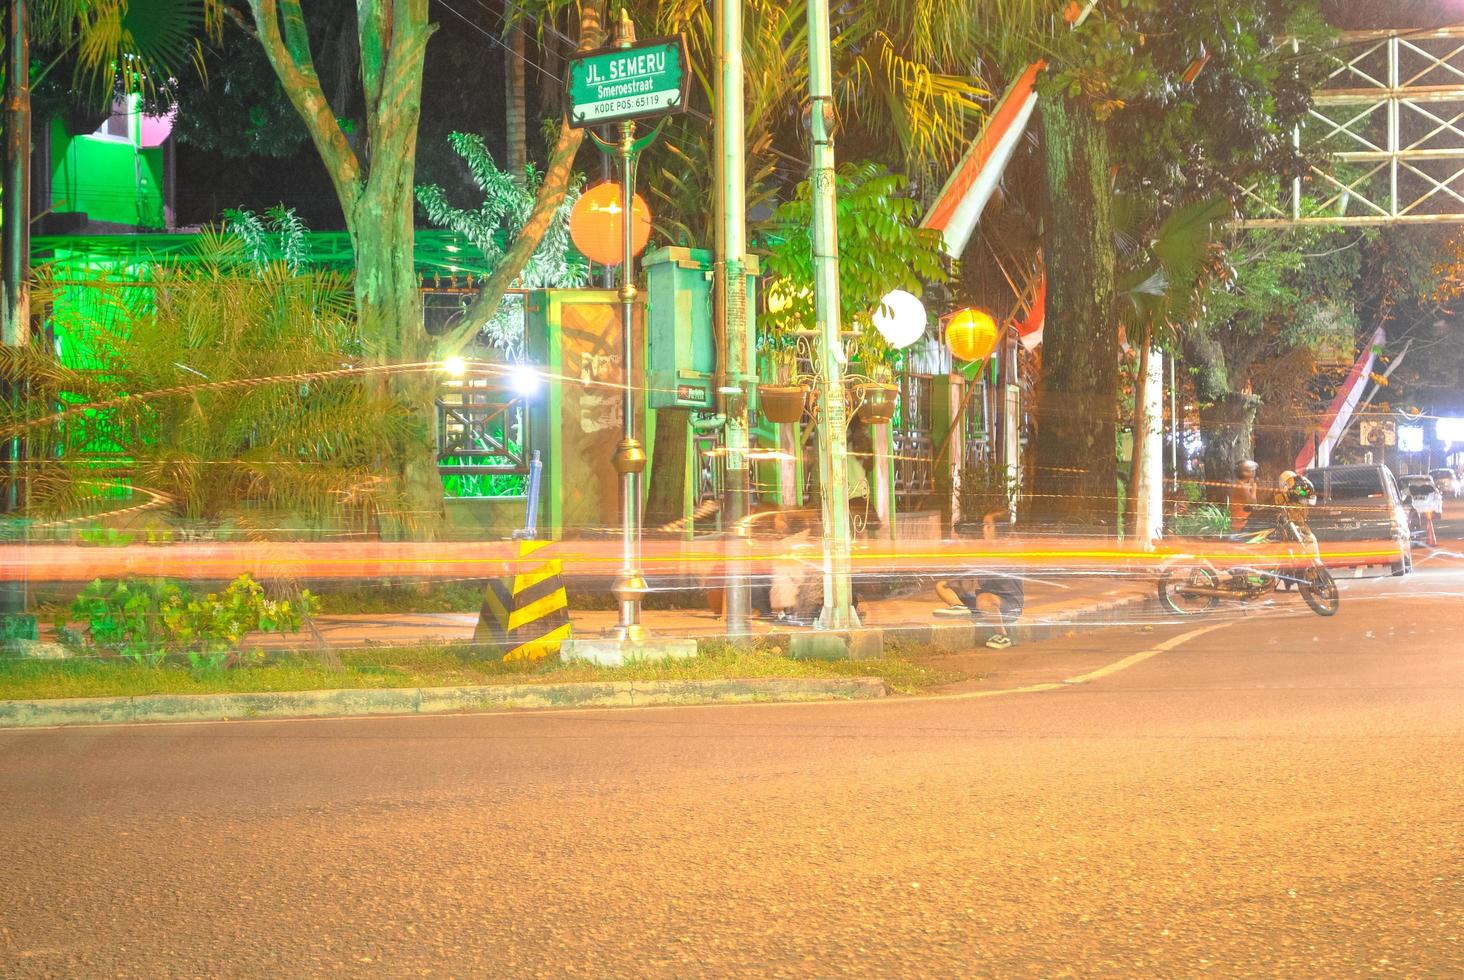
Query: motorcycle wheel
[[1319, 590], [1182, 605]]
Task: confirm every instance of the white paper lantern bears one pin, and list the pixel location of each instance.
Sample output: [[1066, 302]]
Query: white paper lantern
[[900, 319]]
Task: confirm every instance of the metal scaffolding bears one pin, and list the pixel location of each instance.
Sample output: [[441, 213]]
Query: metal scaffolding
[[1388, 123]]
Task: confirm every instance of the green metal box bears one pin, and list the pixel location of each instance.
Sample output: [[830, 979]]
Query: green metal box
[[680, 349]]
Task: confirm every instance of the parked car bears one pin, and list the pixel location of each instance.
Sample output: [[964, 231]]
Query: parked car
[[1448, 481], [1424, 497], [1362, 504]]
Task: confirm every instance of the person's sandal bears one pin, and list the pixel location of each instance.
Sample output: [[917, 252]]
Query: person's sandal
[[999, 642]]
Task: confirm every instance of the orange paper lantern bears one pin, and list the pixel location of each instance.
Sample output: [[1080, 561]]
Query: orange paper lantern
[[595, 224], [971, 335]]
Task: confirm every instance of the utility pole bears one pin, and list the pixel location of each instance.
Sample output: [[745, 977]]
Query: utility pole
[[14, 263], [838, 611], [15, 273], [730, 300]]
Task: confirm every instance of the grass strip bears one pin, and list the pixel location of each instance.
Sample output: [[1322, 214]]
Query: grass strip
[[428, 665]]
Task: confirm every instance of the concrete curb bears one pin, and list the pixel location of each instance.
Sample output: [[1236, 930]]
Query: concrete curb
[[64, 712]]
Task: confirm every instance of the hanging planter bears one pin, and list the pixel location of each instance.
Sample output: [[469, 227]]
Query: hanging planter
[[876, 402], [782, 402]]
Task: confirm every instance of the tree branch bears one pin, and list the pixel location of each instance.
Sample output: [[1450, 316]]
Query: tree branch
[[557, 177], [375, 36], [289, 55], [397, 106], [550, 197], [237, 16]]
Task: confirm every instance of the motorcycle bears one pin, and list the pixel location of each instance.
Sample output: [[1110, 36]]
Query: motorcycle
[[1193, 584]]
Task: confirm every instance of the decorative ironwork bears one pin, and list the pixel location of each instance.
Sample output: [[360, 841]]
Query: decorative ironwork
[[1389, 121], [977, 446], [481, 429], [913, 442]]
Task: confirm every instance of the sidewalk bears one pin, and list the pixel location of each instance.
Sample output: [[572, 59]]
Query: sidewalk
[[1053, 604]]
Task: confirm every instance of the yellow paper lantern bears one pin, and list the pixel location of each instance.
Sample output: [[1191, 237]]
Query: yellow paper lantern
[[971, 335], [596, 228]]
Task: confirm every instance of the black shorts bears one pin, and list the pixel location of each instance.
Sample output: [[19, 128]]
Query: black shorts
[[1009, 592]]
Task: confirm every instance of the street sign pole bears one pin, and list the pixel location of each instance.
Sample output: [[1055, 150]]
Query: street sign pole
[[838, 611], [604, 76], [630, 458]]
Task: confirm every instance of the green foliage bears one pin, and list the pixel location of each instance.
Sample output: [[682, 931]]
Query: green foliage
[[106, 537], [1163, 263], [1173, 139], [242, 112], [1279, 293], [483, 485], [881, 247], [440, 665], [508, 200], [142, 46], [237, 389], [1201, 520], [147, 620], [278, 235]]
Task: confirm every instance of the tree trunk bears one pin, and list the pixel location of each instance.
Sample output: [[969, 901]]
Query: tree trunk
[[389, 309], [1146, 469], [516, 118], [1076, 479], [1226, 426]]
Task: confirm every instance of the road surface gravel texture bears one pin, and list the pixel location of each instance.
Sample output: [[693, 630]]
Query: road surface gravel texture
[[1281, 796]]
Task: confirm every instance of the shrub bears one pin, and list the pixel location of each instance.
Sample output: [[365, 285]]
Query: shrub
[[1201, 520], [147, 620]]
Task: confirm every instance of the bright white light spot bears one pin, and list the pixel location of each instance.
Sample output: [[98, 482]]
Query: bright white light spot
[[455, 366], [900, 319], [525, 380], [1410, 438]]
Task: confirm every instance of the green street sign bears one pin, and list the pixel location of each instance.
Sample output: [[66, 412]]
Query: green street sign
[[643, 80]]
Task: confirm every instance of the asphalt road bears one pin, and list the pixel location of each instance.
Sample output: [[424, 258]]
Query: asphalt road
[[1280, 796]]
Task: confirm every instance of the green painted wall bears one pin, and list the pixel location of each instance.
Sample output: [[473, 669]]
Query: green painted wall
[[110, 179]]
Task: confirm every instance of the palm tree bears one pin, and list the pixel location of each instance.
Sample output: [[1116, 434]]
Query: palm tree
[[1161, 279]]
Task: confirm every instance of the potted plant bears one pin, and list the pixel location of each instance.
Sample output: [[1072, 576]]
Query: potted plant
[[873, 394], [876, 402], [785, 397]]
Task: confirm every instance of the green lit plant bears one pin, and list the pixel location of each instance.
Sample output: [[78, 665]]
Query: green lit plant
[[508, 202], [148, 620], [232, 389], [881, 248], [105, 537]]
